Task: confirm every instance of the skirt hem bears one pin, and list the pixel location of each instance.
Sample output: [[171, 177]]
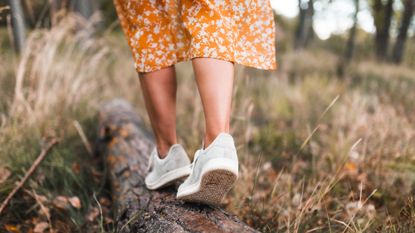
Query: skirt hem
[[272, 67]]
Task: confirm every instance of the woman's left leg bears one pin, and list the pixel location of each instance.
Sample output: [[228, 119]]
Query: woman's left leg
[[159, 92]]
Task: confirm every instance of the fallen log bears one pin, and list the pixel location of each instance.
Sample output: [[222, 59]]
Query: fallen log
[[126, 144]]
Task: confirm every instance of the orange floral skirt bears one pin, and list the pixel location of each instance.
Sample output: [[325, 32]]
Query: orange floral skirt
[[162, 33]]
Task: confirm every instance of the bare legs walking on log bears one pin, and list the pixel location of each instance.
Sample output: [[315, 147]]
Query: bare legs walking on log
[[214, 80], [126, 144]]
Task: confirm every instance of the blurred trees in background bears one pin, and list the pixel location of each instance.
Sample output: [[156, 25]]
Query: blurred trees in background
[[408, 13], [42, 13], [387, 20], [351, 41], [382, 14], [304, 31]]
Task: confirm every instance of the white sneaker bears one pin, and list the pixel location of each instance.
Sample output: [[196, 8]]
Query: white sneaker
[[214, 171], [162, 172]]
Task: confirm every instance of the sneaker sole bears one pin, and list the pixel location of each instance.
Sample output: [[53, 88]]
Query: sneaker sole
[[214, 184], [170, 178]]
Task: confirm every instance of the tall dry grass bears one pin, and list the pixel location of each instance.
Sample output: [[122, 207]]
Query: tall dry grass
[[318, 153], [335, 155], [53, 90]]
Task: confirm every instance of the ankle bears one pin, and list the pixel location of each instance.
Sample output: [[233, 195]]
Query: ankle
[[163, 149]]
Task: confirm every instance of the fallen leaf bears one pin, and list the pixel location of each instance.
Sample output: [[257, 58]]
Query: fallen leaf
[[76, 168], [75, 202], [4, 174], [93, 214], [371, 210], [45, 211], [41, 198], [296, 200], [351, 167], [105, 201], [35, 220], [12, 228], [40, 227], [96, 173], [61, 202], [108, 220], [267, 166], [353, 207]]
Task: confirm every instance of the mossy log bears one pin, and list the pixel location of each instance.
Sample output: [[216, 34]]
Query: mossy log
[[125, 144]]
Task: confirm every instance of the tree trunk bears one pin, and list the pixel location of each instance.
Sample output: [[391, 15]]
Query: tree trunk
[[304, 30], [309, 24], [57, 6], [299, 33], [30, 16], [383, 20], [351, 42], [85, 8], [399, 48], [18, 24], [126, 145]]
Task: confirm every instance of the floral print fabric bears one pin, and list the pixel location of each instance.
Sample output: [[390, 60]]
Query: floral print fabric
[[162, 33]]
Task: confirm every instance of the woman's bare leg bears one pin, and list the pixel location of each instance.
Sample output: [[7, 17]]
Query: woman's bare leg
[[159, 92], [214, 80]]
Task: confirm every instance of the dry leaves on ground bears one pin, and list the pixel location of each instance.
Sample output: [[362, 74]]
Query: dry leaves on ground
[[63, 202], [41, 227], [75, 202], [93, 214], [4, 174]]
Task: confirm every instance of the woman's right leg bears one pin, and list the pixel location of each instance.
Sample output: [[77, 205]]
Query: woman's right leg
[[214, 78], [159, 92]]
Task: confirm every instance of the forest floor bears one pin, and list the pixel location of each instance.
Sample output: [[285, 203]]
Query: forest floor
[[318, 153]]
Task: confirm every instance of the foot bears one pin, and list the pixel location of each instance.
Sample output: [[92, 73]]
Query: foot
[[162, 172], [214, 171]]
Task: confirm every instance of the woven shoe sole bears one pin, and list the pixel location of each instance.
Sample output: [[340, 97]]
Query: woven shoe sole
[[216, 181]]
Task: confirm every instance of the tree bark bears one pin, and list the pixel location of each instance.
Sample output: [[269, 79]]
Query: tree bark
[[57, 6], [126, 144], [383, 14], [309, 24], [304, 30], [18, 24], [86, 8], [399, 48], [28, 9], [299, 33], [351, 42]]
